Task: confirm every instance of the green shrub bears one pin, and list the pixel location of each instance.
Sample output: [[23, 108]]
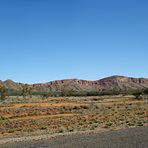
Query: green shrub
[[2, 118]]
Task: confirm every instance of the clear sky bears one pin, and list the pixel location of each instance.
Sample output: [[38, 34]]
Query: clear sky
[[43, 40]]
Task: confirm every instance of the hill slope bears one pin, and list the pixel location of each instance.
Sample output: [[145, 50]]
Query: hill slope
[[116, 83]]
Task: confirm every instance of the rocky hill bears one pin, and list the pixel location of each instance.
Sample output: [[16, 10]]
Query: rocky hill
[[113, 83]]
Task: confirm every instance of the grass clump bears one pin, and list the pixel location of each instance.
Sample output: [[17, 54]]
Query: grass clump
[[2, 118], [62, 129]]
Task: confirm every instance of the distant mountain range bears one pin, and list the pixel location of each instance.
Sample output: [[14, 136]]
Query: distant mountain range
[[113, 83]]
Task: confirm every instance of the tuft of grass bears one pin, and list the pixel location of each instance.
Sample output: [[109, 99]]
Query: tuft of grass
[[84, 107], [108, 125], [62, 129], [43, 128], [2, 118], [139, 123], [93, 126]]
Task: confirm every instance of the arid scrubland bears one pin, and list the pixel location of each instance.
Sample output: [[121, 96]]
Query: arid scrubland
[[32, 116]]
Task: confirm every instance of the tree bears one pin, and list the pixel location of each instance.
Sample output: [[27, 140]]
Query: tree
[[146, 91], [145, 95], [138, 94], [3, 92], [26, 90]]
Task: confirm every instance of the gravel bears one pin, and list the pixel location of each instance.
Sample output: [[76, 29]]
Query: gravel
[[125, 138]]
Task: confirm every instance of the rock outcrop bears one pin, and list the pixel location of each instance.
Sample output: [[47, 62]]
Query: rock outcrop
[[121, 83]]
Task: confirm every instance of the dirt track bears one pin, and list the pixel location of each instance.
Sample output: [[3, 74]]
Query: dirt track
[[127, 138]]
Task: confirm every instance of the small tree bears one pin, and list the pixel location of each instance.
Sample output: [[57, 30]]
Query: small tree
[[3, 92], [26, 90], [145, 95], [138, 94], [146, 91]]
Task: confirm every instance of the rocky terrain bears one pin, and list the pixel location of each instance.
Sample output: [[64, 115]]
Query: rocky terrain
[[73, 86]]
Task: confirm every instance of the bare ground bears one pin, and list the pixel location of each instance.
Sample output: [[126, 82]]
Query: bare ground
[[125, 138]]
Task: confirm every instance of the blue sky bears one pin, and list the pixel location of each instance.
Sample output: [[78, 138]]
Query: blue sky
[[43, 40]]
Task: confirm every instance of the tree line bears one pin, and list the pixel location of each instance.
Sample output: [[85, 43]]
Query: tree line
[[27, 91]]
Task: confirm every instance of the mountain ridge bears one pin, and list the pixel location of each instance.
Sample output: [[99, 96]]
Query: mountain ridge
[[112, 83], [70, 79]]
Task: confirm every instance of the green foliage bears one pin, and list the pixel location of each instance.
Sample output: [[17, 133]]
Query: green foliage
[[138, 94], [3, 92], [14, 92], [2, 118], [146, 91], [26, 90]]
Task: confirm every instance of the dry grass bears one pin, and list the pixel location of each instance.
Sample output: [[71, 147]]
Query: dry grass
[[71, 114]]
